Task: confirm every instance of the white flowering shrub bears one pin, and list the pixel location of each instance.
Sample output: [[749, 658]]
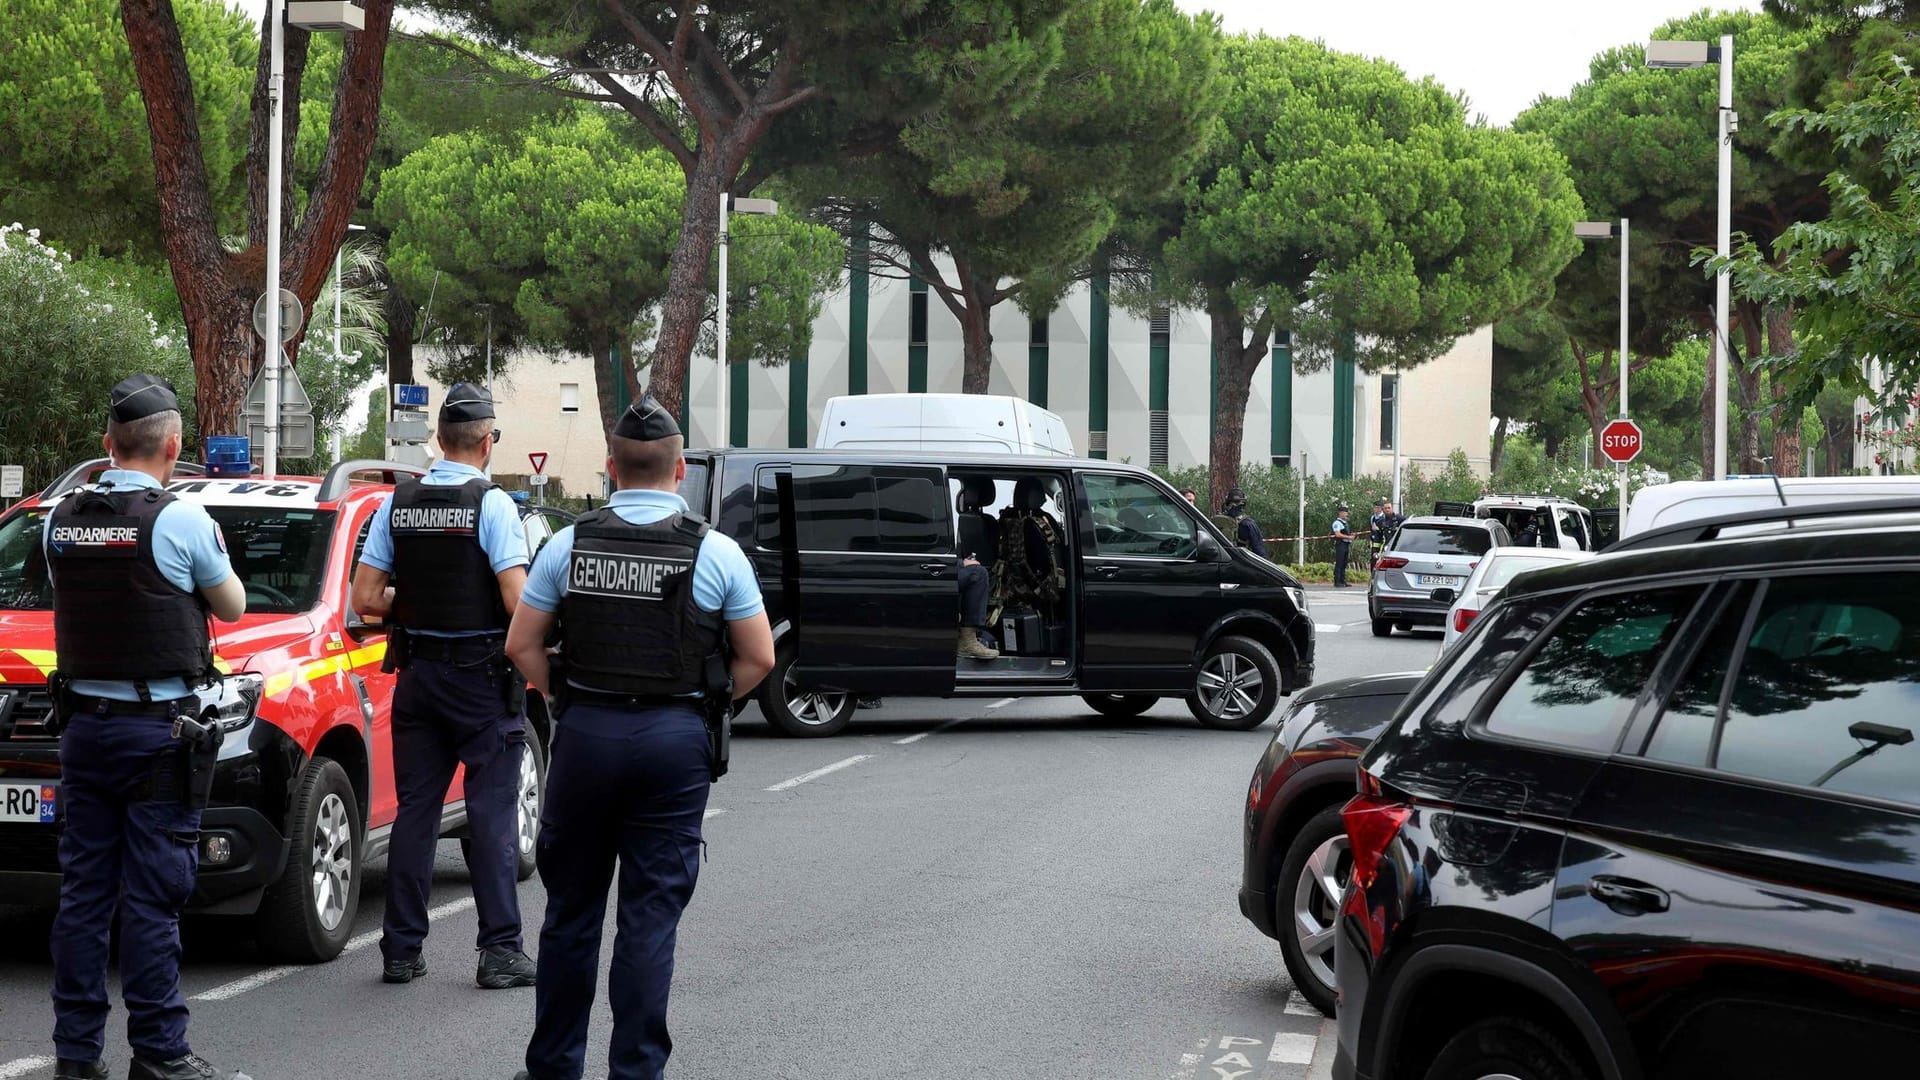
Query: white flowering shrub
[[67, 334]]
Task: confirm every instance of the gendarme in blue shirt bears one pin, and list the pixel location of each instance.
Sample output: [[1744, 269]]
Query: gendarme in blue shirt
[[723, 579], [190, 554], [500, 533]]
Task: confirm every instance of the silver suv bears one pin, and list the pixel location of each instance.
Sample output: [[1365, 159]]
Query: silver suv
[[1424, 557]]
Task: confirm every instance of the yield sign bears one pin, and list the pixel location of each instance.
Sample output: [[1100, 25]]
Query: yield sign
[[539, 459]]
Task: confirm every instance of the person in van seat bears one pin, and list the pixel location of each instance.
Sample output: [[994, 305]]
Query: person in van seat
[[975, 533]]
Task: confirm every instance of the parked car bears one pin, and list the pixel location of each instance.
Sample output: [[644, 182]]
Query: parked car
[[303, 793], [1559, 521], [858, 559], [1498, 567], [1424, 563], [1657, 815], [942, 423], [1295, 863]]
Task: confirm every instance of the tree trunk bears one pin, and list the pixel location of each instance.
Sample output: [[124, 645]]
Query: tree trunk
[[685, 307], [1499, 446], [1593, 401], [1746, 381], [1707, 419], [976, 332], [1237, 363], [1786, 415], [606, 380], [402, 316]]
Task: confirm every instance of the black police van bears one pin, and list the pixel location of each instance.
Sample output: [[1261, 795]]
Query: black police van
[[859, 555]]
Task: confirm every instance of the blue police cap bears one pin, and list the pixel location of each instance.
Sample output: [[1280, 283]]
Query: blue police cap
[[646, 420], [465, 402], [139, 396]]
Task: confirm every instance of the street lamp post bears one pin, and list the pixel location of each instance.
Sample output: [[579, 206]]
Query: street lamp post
[[1607, 230], [1674, 55], [739, 206], [308, 15]]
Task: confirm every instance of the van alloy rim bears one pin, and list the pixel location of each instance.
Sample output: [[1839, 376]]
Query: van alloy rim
[[529, 801], [332, 861], [812, 708], [1316, 904], [1230, 685]]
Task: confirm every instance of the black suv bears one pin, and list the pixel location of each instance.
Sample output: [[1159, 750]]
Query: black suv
[[1657, 815], [859, 556]]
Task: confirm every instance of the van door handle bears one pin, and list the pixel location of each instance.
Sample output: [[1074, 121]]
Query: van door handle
[[933, 567], [1627, 896], [1105, 569]]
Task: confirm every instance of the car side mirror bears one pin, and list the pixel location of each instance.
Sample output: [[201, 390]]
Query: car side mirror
[[360, 629], [1445, 596], [1209, 549]]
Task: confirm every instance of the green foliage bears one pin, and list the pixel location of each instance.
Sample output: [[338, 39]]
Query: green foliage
[[83, 332], [79, 161], [780, 271]]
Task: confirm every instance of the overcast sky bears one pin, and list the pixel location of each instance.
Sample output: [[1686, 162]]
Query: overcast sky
[[1501, 53]]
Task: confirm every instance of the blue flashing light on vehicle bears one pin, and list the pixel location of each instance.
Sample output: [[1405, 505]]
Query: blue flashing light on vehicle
[[229, 455]]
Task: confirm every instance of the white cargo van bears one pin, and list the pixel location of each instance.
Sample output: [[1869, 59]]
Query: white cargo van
[[1696, 500], [967, 423]]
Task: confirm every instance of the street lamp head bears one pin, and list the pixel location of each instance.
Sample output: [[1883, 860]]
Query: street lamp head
[[1595, 230], [351, 227], [755, 206], [325, 15], [1675, 55]]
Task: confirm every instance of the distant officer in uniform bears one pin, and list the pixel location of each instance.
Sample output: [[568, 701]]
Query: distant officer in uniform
[[1342, 546], [644, 595], [451, 544], [1246, 530], [135, 572]]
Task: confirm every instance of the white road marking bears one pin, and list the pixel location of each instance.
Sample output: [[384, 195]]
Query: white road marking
[[1327, 628], [264, 976], [712, 812], [816, 774], [1290, 1048], [1297, 1006], [23, 1066], [1189, 1066], [911, 739], [1003, 703]]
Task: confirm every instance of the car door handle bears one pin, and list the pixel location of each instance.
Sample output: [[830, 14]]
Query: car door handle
[[1105, 569], [1627, 896]]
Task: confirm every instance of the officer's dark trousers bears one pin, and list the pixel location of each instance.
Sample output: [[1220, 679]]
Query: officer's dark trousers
[[115, 836], [627, 790], [1341, 553], [974, 584], [445, 714]]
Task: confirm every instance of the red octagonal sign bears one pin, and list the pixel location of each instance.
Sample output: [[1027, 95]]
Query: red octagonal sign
[[1621, 441]]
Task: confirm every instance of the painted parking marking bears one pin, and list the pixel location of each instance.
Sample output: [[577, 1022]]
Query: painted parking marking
[[1002, 703], [1288, 1054], [1297, 1006], [23, 1066], [844, 763], [1327, 628], [911, 739], [265, 976], [1292, 1048], [712, 812]]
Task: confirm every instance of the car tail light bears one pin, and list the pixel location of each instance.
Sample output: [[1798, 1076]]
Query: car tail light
[[1253, 789], [1463, 618], [1389, 562], [1372, 821]]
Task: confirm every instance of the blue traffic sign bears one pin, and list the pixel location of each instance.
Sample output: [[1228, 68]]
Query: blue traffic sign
[[411, 395]]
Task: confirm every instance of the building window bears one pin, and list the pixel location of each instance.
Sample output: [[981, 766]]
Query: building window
[[1389, 404], [1283, 461], [569, 397], [917, 320]]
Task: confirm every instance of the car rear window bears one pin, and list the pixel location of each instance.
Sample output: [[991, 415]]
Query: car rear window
[[1443, 540], [1506, 569]]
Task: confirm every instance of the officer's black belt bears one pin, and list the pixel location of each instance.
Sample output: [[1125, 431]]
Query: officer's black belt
[[579, 696], [87, 703], [456, 650]]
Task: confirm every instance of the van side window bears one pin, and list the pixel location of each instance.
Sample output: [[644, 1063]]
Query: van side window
[[894, 509], [1133, 517], [766, 511]]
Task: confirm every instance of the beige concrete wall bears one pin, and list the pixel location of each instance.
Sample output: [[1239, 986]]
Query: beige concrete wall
[[1449, 405], [528, 397]]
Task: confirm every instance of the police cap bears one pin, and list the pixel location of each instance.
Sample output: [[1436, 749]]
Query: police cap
[[139, 396], [646, 420], [465, 402]]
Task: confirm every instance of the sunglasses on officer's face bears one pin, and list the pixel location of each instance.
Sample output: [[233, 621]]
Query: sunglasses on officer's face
[[496, 436]]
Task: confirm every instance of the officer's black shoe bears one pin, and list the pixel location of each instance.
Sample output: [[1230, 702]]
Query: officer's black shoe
[[191, 1067], [404, 971], [65, 1069], [502, 967]]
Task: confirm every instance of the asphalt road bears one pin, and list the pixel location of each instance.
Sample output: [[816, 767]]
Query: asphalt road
[[980, 889]]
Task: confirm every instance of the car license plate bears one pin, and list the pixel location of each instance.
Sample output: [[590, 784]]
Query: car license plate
[[1441, 581], [29, 802]]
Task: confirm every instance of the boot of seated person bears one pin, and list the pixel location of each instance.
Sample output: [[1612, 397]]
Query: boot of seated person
[[970, 647]]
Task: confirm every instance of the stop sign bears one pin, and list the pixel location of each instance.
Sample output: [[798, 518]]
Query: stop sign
[[1621, 441]]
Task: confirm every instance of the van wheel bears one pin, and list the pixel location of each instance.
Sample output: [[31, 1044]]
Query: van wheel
[[805, 714], [307, 916], [529, 792], [1119, 706], [1237, 686], [1382, 628], [1506, 1046]]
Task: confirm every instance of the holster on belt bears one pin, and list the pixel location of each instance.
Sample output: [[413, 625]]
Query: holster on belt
[[60, 689], [558, 695], [718, 710], [185, 774], [399, 649], [516, 686]]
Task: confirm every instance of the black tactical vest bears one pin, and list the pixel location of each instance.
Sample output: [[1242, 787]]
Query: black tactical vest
[[628, 623], [115, 615], [442, 577]]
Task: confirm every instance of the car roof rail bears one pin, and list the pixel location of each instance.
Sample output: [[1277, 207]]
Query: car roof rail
[[78, 475], [339, 477], [1705, 529]]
